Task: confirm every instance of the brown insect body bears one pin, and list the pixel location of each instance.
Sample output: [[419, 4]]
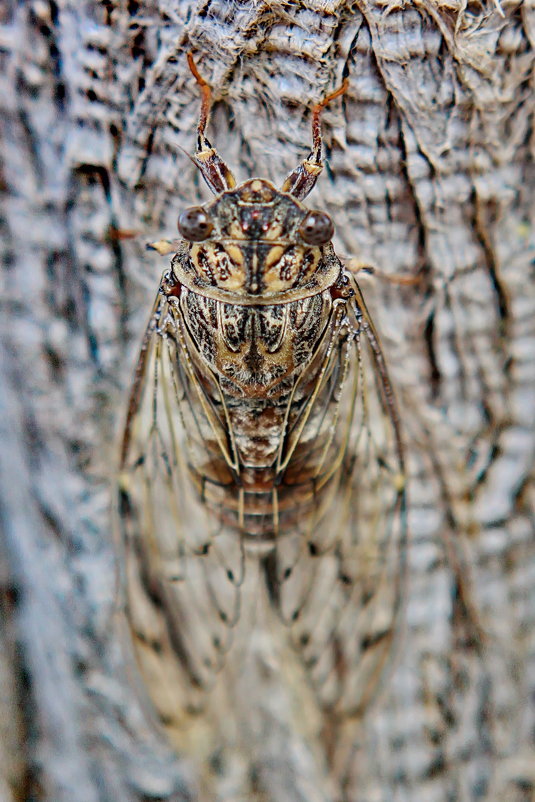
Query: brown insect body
[[262, 447], [263, 359]]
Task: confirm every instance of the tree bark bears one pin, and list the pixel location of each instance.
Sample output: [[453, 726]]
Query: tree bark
[[430, 176]]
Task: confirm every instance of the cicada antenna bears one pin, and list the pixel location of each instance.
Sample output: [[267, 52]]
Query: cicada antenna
[[213, 169], [302, 180]]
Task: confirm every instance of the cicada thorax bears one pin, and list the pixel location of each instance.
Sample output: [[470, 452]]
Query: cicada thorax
[[256, 352]]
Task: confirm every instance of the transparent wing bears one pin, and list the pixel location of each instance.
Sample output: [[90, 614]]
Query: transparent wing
[[337, 582], [182, 571], [334, 576]]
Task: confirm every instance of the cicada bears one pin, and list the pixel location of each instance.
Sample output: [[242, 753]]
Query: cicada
[[262, 480]]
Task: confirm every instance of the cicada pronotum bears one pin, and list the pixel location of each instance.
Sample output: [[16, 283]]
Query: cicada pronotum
[[262, 470]]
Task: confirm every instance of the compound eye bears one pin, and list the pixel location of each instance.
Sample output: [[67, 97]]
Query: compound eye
[[194, 224], [317, 228]]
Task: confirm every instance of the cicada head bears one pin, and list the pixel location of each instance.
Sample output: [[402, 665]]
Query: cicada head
[[256, 240]]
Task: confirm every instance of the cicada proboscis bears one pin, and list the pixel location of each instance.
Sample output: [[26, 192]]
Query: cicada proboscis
[[262, 469]]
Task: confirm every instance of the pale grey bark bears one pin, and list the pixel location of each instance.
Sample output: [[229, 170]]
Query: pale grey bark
[[430, 175]]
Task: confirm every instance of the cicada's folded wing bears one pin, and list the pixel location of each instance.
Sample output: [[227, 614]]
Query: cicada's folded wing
[[335, 567], [338, 582], [182, 571]]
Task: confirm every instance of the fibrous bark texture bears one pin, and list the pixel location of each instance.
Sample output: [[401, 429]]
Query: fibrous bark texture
[[430, 176]]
